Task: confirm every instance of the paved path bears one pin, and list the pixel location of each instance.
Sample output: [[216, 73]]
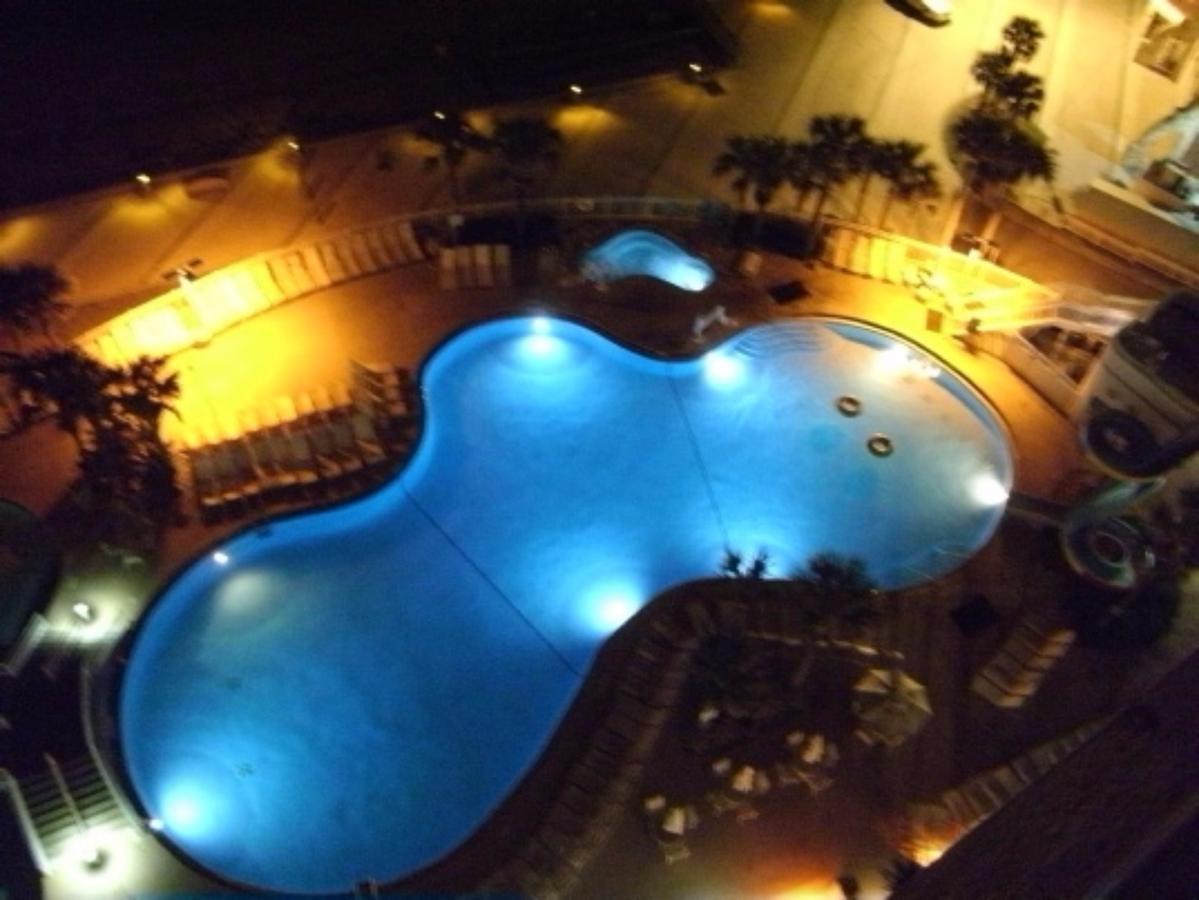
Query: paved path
[[656, 135]]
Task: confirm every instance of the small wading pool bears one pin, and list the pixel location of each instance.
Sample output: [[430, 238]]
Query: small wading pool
[[646, 253], [347, 694]]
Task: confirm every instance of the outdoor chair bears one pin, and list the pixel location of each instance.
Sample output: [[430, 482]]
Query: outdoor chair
[[241, 469], [370, 447], [285, 409], [301, 451], [674, 849], [285, 453], [345, 444], [205, 482], [231, 482], [270, 468], [327, 459]]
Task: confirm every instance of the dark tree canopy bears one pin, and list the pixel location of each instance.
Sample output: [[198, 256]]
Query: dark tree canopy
[[30, 298], [994, 152]]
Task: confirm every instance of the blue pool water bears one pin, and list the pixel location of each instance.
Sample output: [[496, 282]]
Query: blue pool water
[[352, 691], [637, 252]]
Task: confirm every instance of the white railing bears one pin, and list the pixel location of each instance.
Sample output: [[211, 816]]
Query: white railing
[[25, 820], [1034, 367]]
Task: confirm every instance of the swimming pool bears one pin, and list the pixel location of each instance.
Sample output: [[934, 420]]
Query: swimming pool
[[639, 252], [348, 693]]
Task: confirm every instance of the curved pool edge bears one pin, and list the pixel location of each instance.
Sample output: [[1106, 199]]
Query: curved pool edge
[[116, 764]]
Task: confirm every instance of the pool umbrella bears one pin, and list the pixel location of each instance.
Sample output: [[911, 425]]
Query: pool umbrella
[[890, 706]]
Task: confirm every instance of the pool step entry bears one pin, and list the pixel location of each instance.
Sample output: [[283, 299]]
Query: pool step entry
[[62, 802], [779, 340]]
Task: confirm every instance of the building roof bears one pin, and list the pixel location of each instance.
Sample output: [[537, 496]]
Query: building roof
[[1088, 826]]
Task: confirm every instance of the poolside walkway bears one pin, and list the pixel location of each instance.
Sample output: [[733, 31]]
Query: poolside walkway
[[401, 315]]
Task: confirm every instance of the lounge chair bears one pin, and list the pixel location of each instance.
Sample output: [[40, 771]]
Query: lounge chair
[[370, 447], [272, 472], [207, 486], [240, 468], [291, 448], [345, 444], [285, 409]]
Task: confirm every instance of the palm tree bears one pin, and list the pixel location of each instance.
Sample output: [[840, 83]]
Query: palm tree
[[527, 147], [29, 299], [995, 153], [733, 565], [1020, 95], [802, 172], [68, 382], [871, 159], [1022, 37], [758, 164], [454, 139], [907, 177], [989, 70], [836, 151], [841, 592], [141, 393]]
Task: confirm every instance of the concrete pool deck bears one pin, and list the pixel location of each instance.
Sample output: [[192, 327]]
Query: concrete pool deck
[[400, 315]]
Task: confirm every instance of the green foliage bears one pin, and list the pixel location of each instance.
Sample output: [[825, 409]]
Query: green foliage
[[758, 164], [839, 591], [113, 414], [454, 139], [908, 178], [29, 298], [1022, 37], [1008, 92], [733, 565], [997, 152], [525, 147]]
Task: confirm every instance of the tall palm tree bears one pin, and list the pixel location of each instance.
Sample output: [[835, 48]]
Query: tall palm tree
[[527, 148], [454, 140], [758, 166], [1020, 95], [989, 69], [29, 299], [68, 381], [836, 151], [869, 160], [841, 592], [802, 173], [907, 177], [995, 153], [1022, 37], [141, 393]]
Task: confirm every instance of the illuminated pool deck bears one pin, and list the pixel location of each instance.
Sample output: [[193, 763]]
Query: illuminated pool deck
[[345, 695]]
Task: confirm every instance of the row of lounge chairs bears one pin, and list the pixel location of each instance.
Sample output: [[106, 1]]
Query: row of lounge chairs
[[475, 265], [327, 440]]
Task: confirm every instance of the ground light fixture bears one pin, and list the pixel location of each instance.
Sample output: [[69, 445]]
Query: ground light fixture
[[987, 490], [82, 611], [221, 558], [695, 67], [722, 370], [143, 179], [439, 115], [576, 90]]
